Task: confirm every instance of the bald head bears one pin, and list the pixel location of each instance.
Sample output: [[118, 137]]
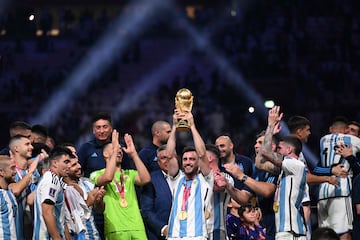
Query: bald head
[[226, 148], [7, 171], [4, 161], [160, 131]]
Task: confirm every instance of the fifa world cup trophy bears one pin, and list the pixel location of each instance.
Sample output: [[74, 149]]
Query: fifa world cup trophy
[[183, 103]]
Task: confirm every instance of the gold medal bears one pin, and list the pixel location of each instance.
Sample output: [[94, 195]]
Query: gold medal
[[207, 214], [123, 202], [182, 215], [276, 206]]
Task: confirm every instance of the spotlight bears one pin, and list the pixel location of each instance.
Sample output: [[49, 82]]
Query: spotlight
[[251, 109], [269, 103], [31, 17]]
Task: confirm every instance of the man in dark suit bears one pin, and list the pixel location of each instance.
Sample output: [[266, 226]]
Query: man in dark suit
[[156, 199]]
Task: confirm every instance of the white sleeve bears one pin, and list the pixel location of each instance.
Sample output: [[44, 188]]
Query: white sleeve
[[292, 166], [49, 189]]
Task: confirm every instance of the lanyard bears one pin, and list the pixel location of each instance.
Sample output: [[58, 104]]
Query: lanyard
[[186, 195], [121, 187]]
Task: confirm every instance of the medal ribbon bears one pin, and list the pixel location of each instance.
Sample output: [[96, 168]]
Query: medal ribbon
[[186, 195], [120, 188], [20, 170]]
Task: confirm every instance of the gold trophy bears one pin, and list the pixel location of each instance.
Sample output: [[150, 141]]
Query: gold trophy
[[183, 103]]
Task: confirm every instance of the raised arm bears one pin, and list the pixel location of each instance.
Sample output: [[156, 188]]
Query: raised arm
[[272, 159], [173, 165], [20, 186], [199, 145], [110, 168], [143, 176]]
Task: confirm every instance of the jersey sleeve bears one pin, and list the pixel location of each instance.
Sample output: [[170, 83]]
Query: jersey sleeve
[[95, 175], [49, 189], [292, 166]]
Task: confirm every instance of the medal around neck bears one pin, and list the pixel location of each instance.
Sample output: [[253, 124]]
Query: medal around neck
[[123, 203], [182, 215]]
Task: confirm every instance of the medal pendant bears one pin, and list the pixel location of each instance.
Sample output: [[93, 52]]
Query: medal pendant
[[182, 215], [276, 206], [123, 203], [207, 214]]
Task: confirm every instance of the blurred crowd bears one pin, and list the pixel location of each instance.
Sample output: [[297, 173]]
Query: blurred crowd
[[302, 56]]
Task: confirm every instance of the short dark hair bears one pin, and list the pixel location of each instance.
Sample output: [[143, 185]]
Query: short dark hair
[[20, 125], [101, 115], [59, 151], [260, 134], [212, 148], [188, 149], [38, 147], [324, 233], [17, 126], [354, 123], [161, 148], [297, 122], [294, 142], [40, 130], [67, 144], [243, 208]]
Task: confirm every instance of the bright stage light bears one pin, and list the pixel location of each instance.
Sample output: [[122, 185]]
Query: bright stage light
[[269, 104]]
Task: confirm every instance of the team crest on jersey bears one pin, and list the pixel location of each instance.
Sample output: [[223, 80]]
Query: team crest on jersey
[[52, 192]]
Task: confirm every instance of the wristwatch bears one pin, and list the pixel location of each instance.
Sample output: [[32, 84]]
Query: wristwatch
[[243, 179]]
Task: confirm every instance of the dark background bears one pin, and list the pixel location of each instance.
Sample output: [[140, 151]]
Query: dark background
[[57, 69]]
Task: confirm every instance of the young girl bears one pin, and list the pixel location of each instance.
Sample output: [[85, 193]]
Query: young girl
[[250, 229]]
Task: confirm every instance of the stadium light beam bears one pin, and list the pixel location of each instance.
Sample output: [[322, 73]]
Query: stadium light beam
[[98, 58]]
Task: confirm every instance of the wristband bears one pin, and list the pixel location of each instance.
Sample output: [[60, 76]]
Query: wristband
[[244, 178]]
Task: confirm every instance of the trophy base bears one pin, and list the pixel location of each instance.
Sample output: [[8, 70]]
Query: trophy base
[[182, 126]]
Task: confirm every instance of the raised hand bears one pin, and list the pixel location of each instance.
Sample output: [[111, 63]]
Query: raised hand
[[220, 181], [274, 115], [115, 141], [234, 170], [344, 151], [130, 146]]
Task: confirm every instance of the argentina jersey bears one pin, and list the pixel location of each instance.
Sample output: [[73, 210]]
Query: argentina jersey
[[196, 208], [329, 157], [216, 221], [49, 189], [21, 202], [8, 209], [290, 192], [91, 232]]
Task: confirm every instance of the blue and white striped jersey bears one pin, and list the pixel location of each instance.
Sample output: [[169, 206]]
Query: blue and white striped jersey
[[290, 193], [8, 210], [21, 199], [217, 221], [329, 157], [80, 219], [49, 188], [197, 207]]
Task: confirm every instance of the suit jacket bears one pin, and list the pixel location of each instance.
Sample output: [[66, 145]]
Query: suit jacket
[[156, 201]]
